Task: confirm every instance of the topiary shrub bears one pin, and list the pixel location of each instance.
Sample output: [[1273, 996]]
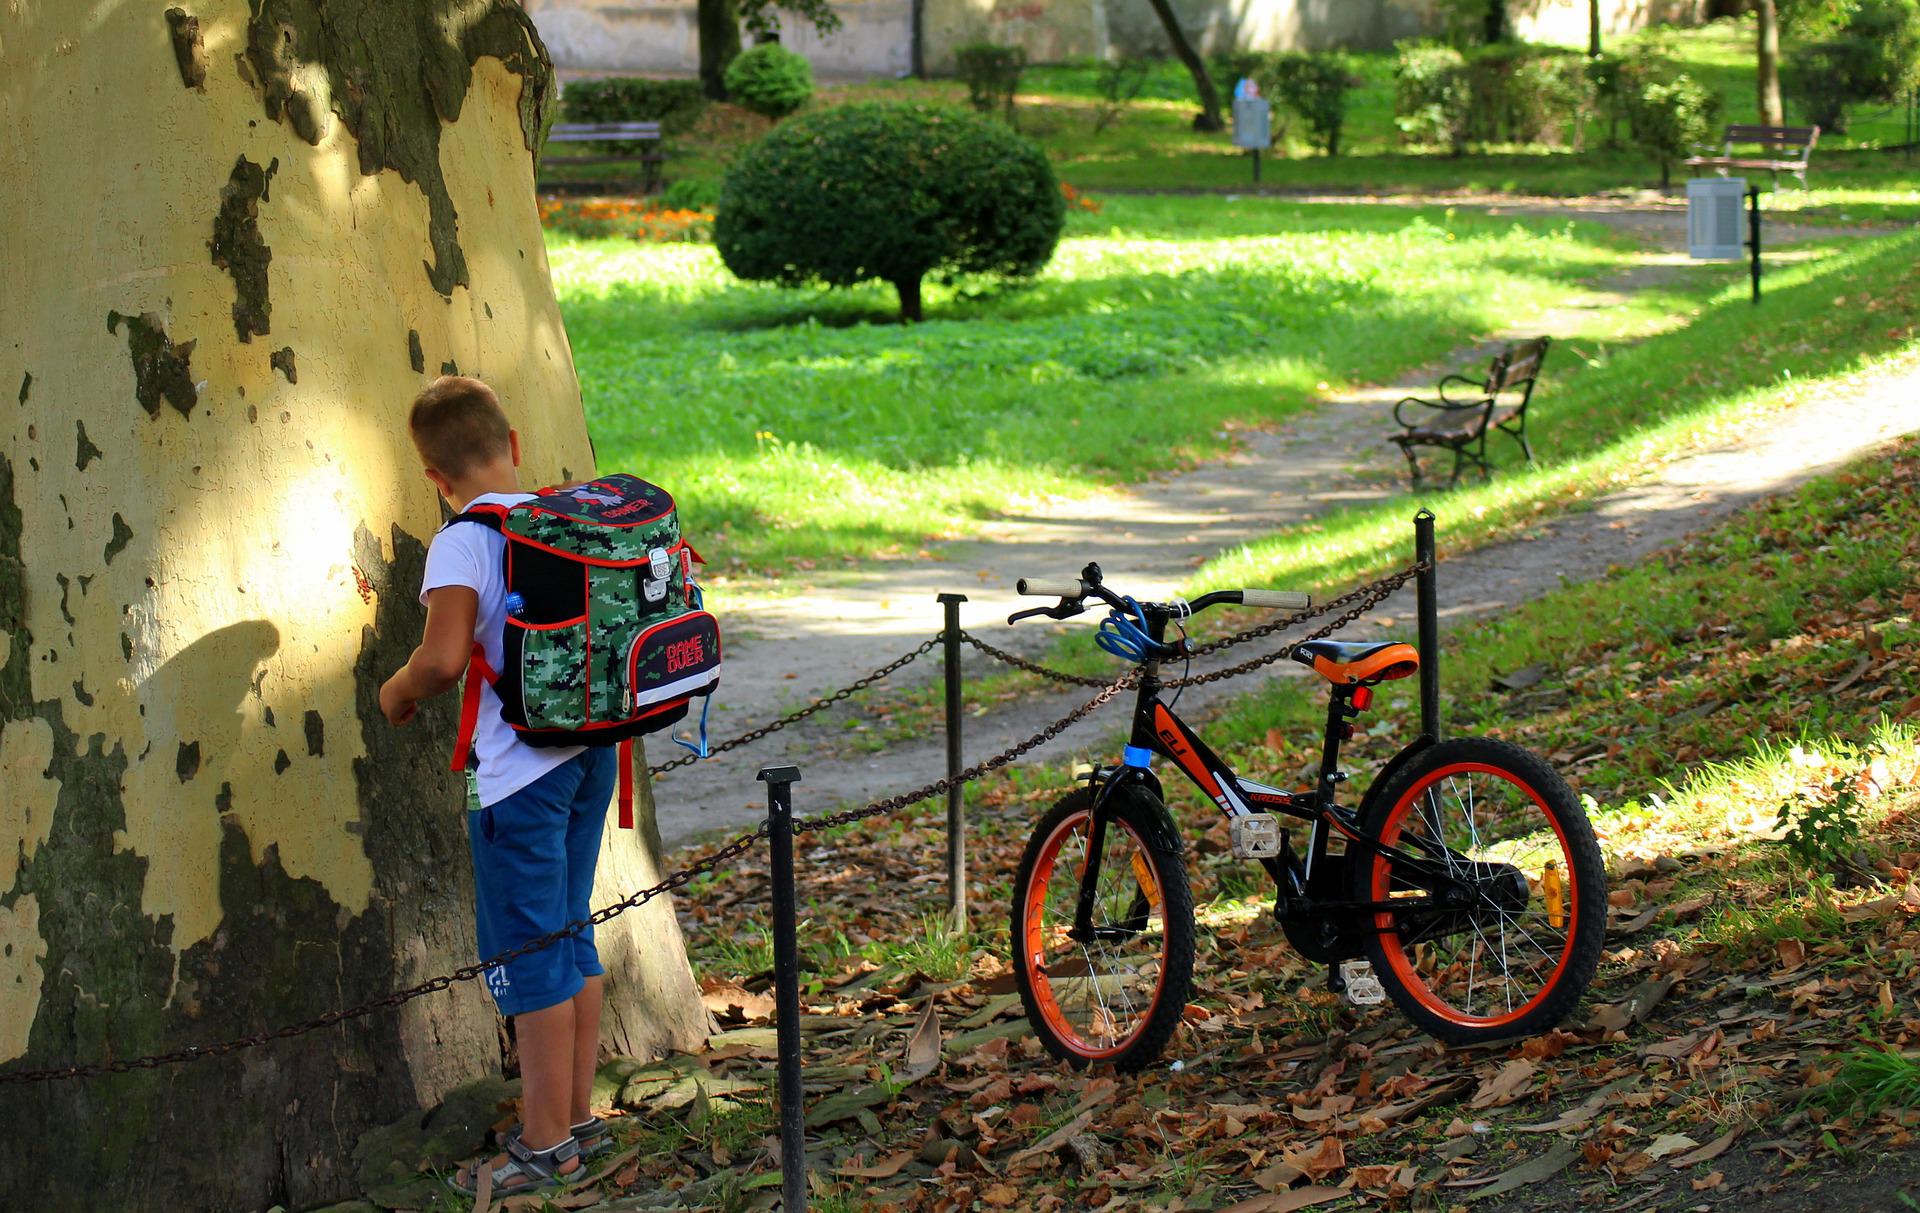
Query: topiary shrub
[[888, 192], [992, 73], [1669, 117], [1430, 95], [1313, 85], [770, 80]]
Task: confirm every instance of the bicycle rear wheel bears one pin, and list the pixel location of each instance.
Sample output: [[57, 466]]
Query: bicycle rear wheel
[[1116, 998], [1515, 956]]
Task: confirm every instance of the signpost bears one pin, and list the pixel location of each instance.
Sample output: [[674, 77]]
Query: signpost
[[1713, 222]]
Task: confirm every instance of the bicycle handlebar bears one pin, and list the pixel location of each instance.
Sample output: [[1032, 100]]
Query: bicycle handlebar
[[1043, 587], [1279, 600]]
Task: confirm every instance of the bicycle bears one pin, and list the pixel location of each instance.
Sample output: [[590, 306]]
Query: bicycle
[[1468, 877]]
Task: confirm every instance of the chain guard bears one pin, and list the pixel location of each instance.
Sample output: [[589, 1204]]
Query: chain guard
[[1315, 936]]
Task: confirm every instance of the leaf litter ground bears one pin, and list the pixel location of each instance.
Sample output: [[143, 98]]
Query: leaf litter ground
[[1744, 1043]]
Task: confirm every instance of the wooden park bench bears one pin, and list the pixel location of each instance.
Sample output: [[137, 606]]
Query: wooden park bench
[[636, 143], [1462, 423], [1782, 149]]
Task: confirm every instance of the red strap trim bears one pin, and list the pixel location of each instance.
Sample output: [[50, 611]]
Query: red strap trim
[[626, 783], [470, 705]]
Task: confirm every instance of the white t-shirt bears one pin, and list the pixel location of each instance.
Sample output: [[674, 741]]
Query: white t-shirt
[[472, 555]]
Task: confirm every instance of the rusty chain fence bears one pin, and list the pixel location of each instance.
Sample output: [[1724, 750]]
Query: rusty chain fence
[[780, 825]]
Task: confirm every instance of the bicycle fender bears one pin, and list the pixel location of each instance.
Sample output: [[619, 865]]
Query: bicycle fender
[[1413, 750], [1160, 820]]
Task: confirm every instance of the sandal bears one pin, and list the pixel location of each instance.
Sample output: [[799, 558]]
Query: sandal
[[534, 1171], [592, 1134]]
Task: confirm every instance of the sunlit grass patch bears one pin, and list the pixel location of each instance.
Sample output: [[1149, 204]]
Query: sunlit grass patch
[[794, 428]]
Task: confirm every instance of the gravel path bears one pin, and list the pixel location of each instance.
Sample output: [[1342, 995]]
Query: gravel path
[[1149, 537]]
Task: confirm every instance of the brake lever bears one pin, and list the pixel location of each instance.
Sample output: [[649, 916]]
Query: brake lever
[[1065, 610]]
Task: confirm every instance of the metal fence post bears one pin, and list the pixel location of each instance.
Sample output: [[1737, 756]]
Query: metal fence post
[[786, 988], [1427, 608], [1753, 239], [956, 808]]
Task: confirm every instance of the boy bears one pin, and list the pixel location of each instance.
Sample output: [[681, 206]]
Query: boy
[[535, 824]]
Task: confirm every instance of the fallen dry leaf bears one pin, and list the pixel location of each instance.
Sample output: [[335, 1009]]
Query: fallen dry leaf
[[1288, 1201]]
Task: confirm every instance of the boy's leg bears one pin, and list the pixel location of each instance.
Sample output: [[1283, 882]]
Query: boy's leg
[[586, 828], [585, 1046], [521, 893], [544, 1039]]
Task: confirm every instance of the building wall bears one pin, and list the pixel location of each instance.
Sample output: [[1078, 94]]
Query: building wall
[[661, 37]]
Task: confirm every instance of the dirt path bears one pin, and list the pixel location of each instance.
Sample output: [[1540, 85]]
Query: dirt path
[[1149, 537]]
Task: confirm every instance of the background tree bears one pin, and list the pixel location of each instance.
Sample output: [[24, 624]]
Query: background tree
[[719, 24], [1767, 63], [1593, 28], [888, 192], [212, 529], [1208, 119]]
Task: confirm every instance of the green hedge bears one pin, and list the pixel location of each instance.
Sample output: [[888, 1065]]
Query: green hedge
[[1504, 93], [674, 104]]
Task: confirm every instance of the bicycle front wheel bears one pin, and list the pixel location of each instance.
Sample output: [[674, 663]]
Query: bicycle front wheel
[[1497, 825], [1114, 994]]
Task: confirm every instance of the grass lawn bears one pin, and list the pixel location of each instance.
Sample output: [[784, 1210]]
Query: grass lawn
[[1151, 144], [799, 426]]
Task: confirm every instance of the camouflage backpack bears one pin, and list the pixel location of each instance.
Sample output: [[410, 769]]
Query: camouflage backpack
[[605, 635]]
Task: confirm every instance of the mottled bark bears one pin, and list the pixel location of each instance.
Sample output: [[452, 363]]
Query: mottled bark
[[210, 551], [1767, 63]]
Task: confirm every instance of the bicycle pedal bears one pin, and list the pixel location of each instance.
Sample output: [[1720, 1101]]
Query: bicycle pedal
[[1255, 837], [1363, 988]]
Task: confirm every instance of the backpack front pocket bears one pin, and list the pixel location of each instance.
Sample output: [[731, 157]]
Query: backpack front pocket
[[553, 659], [674, 659]]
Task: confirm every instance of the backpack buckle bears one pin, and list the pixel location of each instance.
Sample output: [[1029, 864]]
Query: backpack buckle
[[659, 565]]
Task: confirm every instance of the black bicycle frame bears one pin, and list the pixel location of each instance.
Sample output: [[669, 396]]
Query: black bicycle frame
[[1157, 730]]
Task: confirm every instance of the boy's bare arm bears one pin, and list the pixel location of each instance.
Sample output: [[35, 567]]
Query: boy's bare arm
[[437, 664]]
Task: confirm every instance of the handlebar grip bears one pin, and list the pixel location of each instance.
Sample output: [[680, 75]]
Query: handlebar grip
[[1043, 587], [1279, 600]]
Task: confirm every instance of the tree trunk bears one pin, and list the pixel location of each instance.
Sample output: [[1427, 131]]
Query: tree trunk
[[237, 242], [1209, 117], [909, 289], [1496, 26], [719, 22], [1593, 28], [1767, 60]]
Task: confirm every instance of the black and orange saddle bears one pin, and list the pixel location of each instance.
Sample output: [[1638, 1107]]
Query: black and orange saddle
[[1365, 662]]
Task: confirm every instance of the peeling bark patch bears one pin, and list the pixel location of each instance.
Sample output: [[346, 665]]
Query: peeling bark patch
[[65, 586], [281, 762], [395, 74], [237, 246], [80, 693], [223, 800], [26, 385], [186, 764], [84, 450], [161, 369], [189, 50], [449, 367], [416, 356], [282, 361], [316, 733], [122, 535]]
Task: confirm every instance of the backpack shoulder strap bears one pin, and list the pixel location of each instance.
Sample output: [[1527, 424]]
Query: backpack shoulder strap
[[491, 516]]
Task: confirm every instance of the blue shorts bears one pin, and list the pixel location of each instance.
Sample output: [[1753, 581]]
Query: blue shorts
[[533, 860]]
